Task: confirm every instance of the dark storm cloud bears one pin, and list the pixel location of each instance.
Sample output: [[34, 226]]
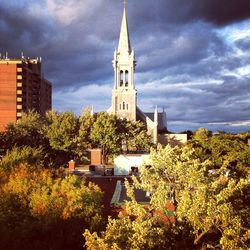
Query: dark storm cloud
[[190, 45], [20, 30], [221, 12], [72, 54], [218, 12]]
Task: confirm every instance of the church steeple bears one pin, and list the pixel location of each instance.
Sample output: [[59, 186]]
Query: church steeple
[[124, 92], [124, 42]]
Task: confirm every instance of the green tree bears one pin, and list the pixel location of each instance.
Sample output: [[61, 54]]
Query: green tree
[[211, 207], [202, 134], [135, 136], [227, 152], [106, 134], [86, 121], [62, 132], [28, 131], [21, 155], [203, 199]]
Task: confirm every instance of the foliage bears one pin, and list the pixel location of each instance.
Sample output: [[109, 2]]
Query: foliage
[[211, 206], [28, 131], [138, 228], [106, 134], [64, 136], [86, 121], [205, 199], [112, 135], [226, 152], [202, 134], [24, 154], [135, 136], [62, 130], [125, 234], [41, 212]]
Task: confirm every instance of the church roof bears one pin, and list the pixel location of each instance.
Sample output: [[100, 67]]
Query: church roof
[[124, 41], [162, 119]]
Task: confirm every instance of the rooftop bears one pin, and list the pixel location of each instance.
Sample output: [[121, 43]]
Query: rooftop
[[120, 195]]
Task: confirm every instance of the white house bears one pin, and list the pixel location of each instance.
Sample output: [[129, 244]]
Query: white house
[[128, 164]]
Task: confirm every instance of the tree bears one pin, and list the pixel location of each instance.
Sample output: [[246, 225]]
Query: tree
[[62, 132], [106, 134], [211, 207], [204, 200], [38, 211], [137, 229], [135, 136], [21, 155], [226, 152], [125, 234], [86, 121], [202, 134], [28, 131]]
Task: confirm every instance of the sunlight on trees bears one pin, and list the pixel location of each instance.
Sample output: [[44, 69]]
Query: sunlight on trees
[[206, 183], [32, 201], [211, 206]]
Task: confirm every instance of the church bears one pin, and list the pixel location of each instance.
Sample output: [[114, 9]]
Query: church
[[124, 93]]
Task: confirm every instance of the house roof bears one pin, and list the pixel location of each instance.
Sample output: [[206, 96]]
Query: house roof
[[120, 195]]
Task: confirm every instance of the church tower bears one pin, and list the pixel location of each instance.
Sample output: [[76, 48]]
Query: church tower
[[124, 94]]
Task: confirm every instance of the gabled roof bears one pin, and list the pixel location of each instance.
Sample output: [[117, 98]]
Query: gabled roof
[[162, 120]]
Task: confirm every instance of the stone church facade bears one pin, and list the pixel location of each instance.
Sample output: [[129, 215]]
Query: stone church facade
[[124, 93]]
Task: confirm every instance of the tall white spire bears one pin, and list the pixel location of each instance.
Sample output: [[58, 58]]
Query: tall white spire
[[124, 42], [124, 94]]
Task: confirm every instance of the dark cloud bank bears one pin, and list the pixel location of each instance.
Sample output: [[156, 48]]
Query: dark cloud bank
[[187, 62]]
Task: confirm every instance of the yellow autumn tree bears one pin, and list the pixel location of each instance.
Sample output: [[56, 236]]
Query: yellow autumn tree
[[40, 211]]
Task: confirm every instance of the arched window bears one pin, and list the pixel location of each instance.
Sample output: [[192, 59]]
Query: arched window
[[120, 106], [126, 78], [121, 78], [123, 105], [127, 106]]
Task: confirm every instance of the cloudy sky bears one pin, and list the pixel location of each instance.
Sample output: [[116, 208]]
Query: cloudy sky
[[193, 57]]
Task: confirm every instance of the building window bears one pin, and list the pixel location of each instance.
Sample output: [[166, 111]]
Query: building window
[[120, 107], [126, 78], [123, 105], [127, 106], [121, 78]]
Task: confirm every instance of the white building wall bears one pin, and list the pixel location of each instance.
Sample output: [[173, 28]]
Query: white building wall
[[123, 163]]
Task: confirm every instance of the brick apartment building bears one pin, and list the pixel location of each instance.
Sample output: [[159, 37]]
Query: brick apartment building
[[22, 88]]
